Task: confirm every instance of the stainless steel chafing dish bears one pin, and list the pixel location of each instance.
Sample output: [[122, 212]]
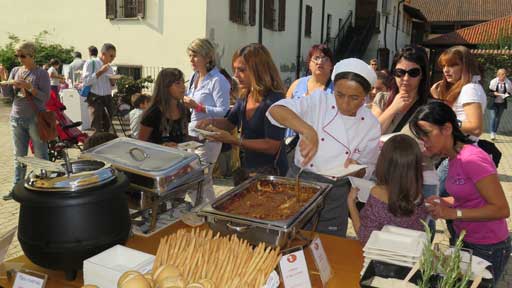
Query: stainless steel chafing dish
[[274, 233], [149, 167]]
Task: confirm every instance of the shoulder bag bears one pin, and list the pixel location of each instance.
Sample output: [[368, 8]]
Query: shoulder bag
[[87, 89]]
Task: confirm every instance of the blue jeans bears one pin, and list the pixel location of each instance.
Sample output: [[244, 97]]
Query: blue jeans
[[495, 116], [25, 129], [497, 254], [442, 172]]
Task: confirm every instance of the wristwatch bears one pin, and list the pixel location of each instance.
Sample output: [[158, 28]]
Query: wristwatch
[[459, 213]]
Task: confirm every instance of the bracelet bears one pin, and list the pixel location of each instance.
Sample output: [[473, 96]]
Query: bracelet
[[199, 107]]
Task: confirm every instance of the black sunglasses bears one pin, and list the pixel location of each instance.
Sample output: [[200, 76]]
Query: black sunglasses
[[414, 72], [22, 56]]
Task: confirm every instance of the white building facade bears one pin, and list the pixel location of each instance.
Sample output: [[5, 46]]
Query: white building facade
[[390, 34], [155, 33]]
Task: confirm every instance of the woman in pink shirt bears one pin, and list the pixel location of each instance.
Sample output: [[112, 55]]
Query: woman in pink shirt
[[476, 203]]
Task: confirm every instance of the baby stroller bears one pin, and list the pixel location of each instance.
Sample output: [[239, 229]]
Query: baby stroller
[[69, 136]]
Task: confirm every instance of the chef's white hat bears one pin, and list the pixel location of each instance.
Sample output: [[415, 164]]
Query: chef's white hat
[[356, 66]]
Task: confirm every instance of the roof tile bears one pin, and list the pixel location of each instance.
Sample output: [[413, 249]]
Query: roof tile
[[463, 10]]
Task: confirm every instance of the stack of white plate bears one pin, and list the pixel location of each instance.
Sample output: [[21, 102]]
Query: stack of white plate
[[394, 245]]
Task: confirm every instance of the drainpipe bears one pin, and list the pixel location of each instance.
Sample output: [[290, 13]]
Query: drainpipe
[[322, 26], [386, 32], [401, 2], [260, 23], [299, 42]]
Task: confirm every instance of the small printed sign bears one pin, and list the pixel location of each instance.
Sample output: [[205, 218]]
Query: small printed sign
[[295, 270], [321, 260], [29, 279]]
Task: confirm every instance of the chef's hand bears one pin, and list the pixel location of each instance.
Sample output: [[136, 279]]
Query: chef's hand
[[308, 145], [359, 173], [189, 103], [352, 195], [439, 208]]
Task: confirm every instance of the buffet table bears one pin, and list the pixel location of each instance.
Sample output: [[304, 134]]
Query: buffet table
[[345, 257]]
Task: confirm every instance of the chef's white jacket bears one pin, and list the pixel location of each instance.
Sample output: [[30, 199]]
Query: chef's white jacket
[[336, 143]]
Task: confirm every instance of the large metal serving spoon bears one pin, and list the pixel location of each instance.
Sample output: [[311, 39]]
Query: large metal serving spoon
[[297, 185]]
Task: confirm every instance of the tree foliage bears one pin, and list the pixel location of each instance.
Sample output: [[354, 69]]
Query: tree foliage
[[493, 62], [45, 50]]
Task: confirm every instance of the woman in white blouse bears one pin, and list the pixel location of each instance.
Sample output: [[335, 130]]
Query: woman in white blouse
[[336, 131]]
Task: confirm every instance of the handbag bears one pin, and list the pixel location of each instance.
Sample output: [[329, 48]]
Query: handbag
[[491, 149], [46, 122], [87, 89]]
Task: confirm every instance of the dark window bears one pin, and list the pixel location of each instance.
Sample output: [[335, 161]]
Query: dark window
[[307, 23], [274, 14], [329, 28], [125, 9], [130, 70], [242, 12]]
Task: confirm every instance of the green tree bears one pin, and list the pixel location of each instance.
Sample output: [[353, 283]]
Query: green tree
[[493, 62], [45, 50]]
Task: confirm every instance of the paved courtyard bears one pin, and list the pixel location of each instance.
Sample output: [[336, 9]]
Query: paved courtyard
[[9, 209]]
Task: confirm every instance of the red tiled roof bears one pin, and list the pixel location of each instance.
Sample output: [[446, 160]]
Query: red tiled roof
[[491, 51], [484, 33], [463, 10]]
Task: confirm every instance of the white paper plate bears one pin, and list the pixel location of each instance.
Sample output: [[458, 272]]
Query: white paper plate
[[404, 231], [205, 132], [386, 241]]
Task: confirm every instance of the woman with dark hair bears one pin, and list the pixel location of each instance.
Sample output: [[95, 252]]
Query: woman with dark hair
[[476, 201], [336, 131], [397, 198], [164, 121], [260, 87], [409, 90]]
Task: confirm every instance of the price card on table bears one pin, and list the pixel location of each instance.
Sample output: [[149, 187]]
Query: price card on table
[[321, 261], [29, 279], [295, 270]]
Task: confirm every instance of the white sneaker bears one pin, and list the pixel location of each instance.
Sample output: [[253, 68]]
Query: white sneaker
[[493, 135]]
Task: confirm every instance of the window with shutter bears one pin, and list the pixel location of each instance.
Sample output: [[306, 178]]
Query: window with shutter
[[282, 15], [141, 8], [111, 9], [252, 12], [268, 14], [307, 23], [130, 8]]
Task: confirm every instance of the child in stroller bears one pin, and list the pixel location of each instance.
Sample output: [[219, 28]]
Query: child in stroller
[[69, 136]]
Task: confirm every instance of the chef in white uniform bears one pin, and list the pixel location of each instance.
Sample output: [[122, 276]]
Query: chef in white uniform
[[336, 132]]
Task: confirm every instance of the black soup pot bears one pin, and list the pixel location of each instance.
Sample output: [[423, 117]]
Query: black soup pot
[[65, 219]]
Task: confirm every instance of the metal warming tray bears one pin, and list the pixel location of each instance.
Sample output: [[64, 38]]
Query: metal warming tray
[[150, 167], [275, 233]]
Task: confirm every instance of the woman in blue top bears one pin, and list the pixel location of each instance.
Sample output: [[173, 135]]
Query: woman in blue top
[[320, 64], [207, 97], [260, 86]]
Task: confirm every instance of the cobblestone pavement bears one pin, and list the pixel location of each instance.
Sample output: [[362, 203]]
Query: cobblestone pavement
[[9, 209]]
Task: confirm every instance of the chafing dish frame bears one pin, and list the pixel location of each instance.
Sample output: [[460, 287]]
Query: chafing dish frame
[[275, 233]]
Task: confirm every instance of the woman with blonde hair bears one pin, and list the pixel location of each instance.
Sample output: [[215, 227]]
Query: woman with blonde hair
[[208, 97], [500, 88], [30, 89], [260, 87]]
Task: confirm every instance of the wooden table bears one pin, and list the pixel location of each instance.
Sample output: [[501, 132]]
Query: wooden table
[[345, 257]]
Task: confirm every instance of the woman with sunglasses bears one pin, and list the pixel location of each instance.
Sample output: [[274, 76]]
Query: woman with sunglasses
[[409, 90], [476, 201], [30, 89]]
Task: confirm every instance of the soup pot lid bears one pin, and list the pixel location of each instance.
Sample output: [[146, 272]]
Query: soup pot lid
[[83, 174]]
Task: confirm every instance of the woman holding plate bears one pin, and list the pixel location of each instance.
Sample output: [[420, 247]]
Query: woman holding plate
[[338, 134]]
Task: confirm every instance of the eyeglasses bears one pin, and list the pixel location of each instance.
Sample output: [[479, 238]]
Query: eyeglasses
[[414, 72], [22, 56], [319, 59]]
